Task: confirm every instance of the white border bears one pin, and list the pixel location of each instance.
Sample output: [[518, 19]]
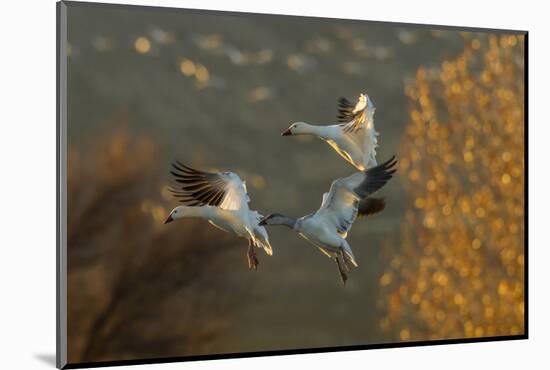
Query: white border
[[28, 183]]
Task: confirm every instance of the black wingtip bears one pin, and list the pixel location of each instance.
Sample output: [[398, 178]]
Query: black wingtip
[[345, 110], [176, 164], [390, 162], [195, 187], [387, 166], [377, 177]]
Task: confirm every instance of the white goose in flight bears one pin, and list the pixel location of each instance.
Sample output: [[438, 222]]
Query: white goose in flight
[[354, 138], [348, 197], [222, 199]]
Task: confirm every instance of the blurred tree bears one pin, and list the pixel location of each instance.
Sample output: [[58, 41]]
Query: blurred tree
[[138, 288], [459, 269]]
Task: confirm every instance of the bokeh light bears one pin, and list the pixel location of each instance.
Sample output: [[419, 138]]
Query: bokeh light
[[462, 165], [142, 45], [187, 67]]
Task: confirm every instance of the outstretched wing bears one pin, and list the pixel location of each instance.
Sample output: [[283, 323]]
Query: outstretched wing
[[341, 205], [220, 189], [375, 178], [347, 110], [353, 115], [357, 122]]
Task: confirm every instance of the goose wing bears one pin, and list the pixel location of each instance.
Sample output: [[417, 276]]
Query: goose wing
[[349, 111], [347, 195], [197, 188], [357, 123]]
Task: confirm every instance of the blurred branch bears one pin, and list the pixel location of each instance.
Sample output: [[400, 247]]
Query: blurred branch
[[137, 287]]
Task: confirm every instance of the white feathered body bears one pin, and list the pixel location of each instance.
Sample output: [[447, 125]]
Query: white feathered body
[[329, 226], [355, 139], [320, 233], [232, 214], [357, 146]]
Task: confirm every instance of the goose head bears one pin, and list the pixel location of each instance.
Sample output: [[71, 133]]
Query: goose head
[[297, 128], [177, 213], [278, 219]]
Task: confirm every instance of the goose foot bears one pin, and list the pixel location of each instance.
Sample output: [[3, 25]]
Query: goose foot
[[252, 259], [343, 274], [347, 262]]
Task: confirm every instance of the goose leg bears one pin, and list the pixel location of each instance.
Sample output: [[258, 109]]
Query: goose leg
[[343, 274], [347, 262], [251, 254]]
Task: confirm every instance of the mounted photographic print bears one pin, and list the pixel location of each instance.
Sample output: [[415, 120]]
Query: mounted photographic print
[[235, 185]]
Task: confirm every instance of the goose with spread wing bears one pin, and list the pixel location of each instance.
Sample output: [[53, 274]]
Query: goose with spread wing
[[354, 137], [222, 199], [348, 198]]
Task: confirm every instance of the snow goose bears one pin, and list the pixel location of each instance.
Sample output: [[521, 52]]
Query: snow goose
[[222, 199], [354, 138], [348, 197]]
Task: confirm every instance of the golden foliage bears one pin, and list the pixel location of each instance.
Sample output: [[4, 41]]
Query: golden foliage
[[459, 270]]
